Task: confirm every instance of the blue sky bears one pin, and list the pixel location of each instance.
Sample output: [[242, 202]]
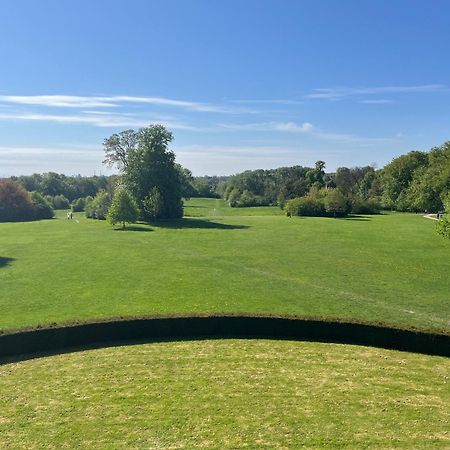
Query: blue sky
[[241, 84]]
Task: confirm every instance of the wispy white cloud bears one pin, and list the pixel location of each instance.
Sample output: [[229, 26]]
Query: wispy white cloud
[[96, 119], [381, 101], [88, 150], [229, 159], [290, 127], [270, 101], [340, 93], [73, 101], [354, 140]]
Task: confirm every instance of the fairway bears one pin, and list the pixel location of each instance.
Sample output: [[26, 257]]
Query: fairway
[[227, 394], [391, 269]]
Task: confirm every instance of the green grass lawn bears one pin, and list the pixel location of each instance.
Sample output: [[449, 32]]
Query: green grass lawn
[[390, 268], [227, 394]]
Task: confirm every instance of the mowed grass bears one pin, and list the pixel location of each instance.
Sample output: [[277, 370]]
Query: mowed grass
[[227, 394], [390, 268]]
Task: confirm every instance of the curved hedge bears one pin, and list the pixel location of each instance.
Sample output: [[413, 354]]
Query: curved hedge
[[22, 345]]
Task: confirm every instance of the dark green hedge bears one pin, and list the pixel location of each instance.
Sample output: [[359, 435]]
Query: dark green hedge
[[25, 344]]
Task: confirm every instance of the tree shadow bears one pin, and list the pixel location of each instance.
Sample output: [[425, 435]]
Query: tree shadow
[[142, 227], [187, 222], [356, 218], [4, 262]]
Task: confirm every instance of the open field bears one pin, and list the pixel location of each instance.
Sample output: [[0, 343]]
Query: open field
[[227, 394], [390, 268]]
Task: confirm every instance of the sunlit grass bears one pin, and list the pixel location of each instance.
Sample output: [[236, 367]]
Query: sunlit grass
[[390, 268], [227, 394]]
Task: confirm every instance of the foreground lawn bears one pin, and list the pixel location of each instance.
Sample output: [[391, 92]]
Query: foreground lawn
[[227, 394], [390, 268]]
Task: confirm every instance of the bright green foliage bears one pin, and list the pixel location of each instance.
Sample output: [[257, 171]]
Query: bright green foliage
[[186, 181], [443, 226], [42, 208], [397, 176], [123, 208], [152, 165], [52, 184], [78, 205], [361, 205], [98, 207], [227, 394], [153, 204], [119, 146], [58, 201], [305, 206], [336, 203]]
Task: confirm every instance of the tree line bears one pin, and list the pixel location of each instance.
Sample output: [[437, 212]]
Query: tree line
[[153, 185], [417, 181]]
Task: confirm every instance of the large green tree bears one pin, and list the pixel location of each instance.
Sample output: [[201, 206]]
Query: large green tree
[[152, 165], [119, 146]]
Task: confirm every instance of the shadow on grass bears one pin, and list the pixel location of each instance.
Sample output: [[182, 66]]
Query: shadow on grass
[[187, 222], [356, 218], [4, 262], [142, 227]]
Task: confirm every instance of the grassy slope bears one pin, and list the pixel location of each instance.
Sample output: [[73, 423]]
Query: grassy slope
[[227, 394], [390, 268]]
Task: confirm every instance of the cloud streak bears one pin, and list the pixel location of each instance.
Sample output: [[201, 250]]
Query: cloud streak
[[290, 127], [96, 119], [73, 101], [348, 92]]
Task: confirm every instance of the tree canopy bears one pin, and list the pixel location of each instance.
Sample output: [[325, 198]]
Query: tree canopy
[[123, 208], [148, 166]]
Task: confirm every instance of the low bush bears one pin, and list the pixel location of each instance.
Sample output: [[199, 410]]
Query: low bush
[[247, 199], [15, 202], [365, 206], [305, 206], [336, 203], [58, 201], [42, 208], [97, 208], [78, 205], [19, 205]]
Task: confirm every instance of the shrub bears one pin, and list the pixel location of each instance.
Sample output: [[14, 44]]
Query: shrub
[[233, 197], [365, 206], [42, 208], [97, 208], [305, 206], [60, 202], [15, 202], [247, 199], [336, 203], [78, 205], [443, 226]]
